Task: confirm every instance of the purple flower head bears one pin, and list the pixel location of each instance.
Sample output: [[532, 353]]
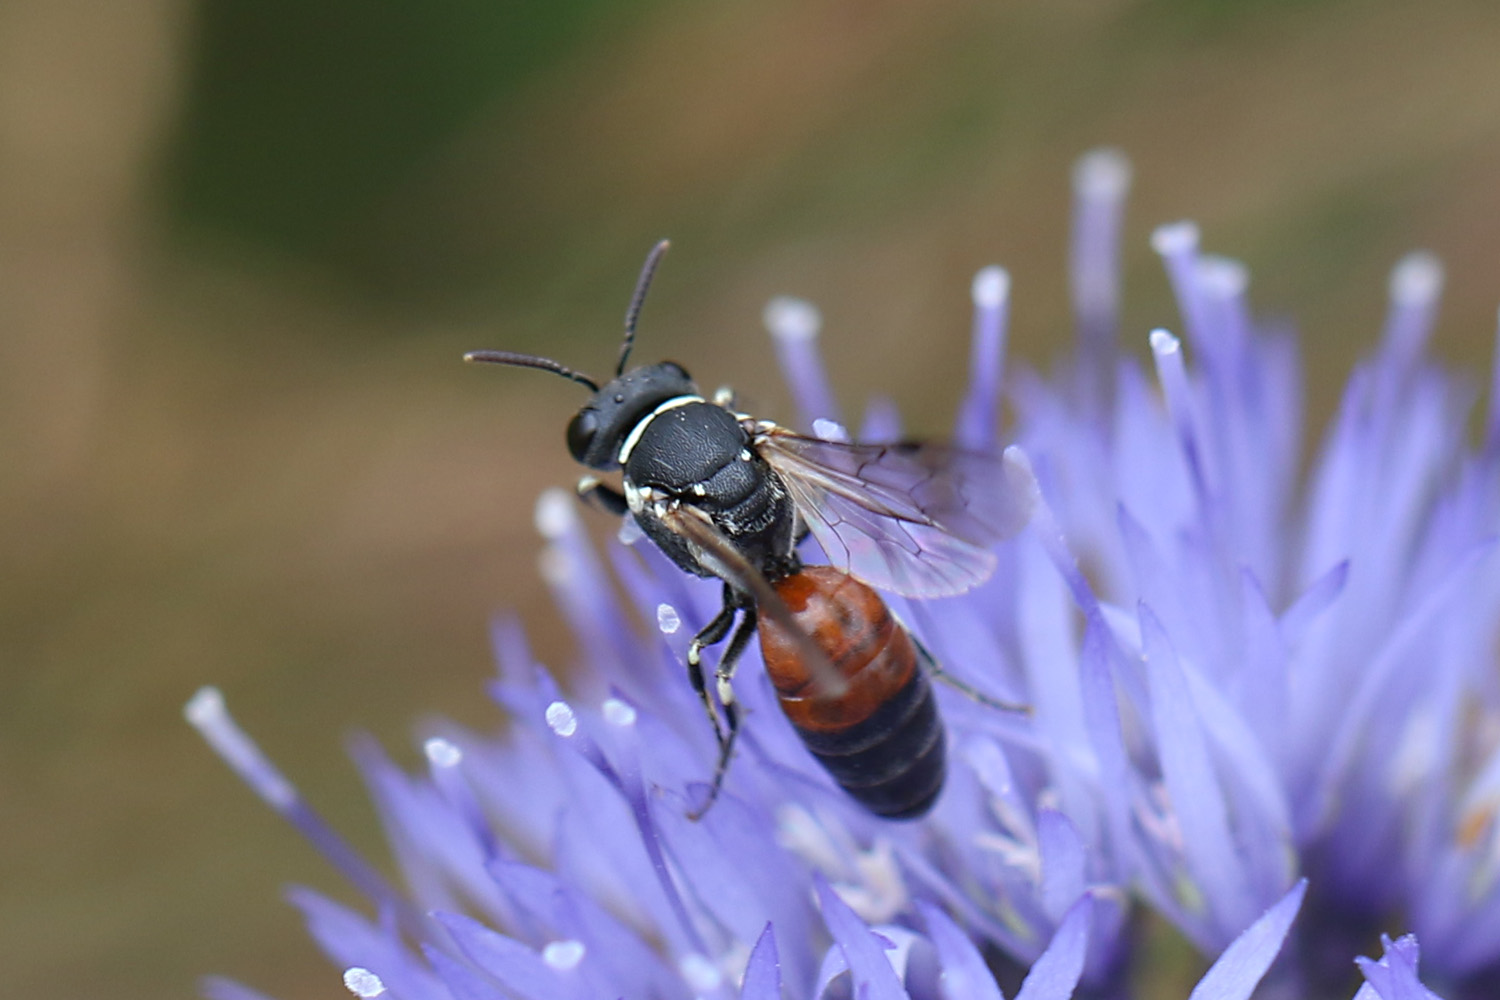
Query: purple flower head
[[1281, 677], [1247, 687]]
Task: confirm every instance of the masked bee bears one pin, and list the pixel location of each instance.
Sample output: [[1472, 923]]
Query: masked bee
[[730, 496]]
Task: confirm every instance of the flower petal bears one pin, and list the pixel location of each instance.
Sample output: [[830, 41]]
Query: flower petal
[[862, 948], [1055, 974], [965, 975], [1237, 972], [763, 971]]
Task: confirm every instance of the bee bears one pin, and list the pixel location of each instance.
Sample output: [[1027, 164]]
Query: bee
[[729, 496]]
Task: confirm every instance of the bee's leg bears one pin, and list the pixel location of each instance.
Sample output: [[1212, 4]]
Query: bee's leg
[[731, 658], [722, 678], [606, 498], [713, 632], [936, 672]]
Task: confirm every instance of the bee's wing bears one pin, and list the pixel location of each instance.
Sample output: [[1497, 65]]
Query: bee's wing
[[917, 519], [718, 554]]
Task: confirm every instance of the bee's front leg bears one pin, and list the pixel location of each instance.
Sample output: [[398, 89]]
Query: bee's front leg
[[605, 498]]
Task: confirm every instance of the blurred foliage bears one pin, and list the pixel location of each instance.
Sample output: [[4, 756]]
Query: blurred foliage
[[301, 118]]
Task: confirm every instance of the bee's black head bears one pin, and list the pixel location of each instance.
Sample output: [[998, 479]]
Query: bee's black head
[[598, 430]]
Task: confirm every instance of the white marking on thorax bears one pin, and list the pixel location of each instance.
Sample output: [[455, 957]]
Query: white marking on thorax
[[634, 437], [636, 497]]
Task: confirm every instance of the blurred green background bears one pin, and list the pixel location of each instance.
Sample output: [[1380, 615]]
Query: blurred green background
[[244, 242]]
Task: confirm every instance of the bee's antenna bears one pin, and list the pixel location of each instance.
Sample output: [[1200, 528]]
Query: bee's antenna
[[639, 299], [531, 361]]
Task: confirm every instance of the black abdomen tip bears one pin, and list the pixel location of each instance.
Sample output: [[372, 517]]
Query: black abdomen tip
[[894, 762]]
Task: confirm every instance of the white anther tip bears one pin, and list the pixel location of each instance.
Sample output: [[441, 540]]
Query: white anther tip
[[363, 983], [830, 430], [795, 319], [1102, 173], [618, 713], [1175, 238], [204, 706], [560, 719], [442, 753], [1021, 478], [563, 955], [667, 619], [991, 287], [701, 974], [1163, 343], [554, 513], [207, 714], [1417, 278]]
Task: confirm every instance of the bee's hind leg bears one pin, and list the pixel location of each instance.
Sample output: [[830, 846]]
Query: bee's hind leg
[[934, 670]]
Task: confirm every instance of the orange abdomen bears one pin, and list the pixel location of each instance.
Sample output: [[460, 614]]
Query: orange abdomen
[[881, 738]]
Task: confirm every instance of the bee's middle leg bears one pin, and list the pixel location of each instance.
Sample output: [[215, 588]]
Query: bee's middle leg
[[722, 678], [712, 633]]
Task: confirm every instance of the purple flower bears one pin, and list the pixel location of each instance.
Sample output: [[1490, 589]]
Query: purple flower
[[1395, 974], [633, 908], [1278, 678], [1246, 689]]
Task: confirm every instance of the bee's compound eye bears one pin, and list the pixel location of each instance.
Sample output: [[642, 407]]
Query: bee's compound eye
[[581, 432]]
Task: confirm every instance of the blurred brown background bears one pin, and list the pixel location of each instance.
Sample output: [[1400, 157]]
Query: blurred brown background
[[244, 242]]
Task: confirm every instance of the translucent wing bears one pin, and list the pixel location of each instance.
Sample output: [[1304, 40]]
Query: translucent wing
[[917, 519]]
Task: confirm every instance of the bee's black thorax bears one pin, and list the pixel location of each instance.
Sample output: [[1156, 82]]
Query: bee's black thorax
[[697, 454]]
